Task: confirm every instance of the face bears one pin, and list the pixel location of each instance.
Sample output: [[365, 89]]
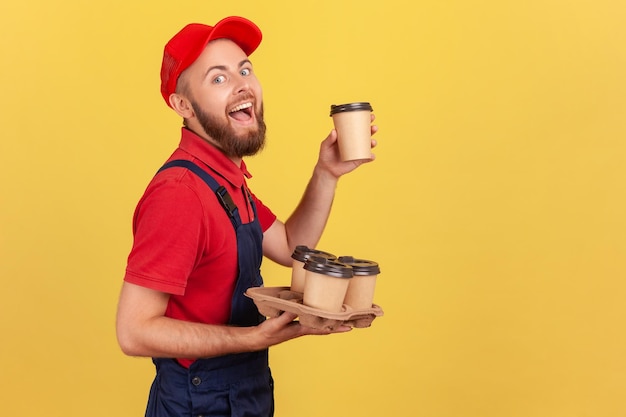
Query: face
[[226, 99]]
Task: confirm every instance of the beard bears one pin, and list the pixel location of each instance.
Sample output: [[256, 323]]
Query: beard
[[227, 139]]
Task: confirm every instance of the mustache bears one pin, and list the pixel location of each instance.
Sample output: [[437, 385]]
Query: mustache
[[243, 97]]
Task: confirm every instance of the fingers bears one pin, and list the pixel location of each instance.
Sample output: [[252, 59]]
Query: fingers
[[277, 323], [332, 137], [339, 329], [342, 329], [287, 317]]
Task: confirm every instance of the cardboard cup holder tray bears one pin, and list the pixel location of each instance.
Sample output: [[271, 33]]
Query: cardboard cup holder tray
[[272, 301]]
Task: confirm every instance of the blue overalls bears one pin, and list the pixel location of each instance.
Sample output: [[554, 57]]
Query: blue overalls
[[239, 384]]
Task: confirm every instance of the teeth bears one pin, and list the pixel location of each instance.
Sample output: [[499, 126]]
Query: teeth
[[241, 107]]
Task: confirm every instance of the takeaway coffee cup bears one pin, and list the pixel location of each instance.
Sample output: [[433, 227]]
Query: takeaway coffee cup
[[360, 292], [299, 256], [326, 283], [353, 125]]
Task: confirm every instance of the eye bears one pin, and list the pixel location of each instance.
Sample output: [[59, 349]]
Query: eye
[[219, 79], [246, 72]]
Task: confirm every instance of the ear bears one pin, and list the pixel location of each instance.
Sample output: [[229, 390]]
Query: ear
[[181, 105]]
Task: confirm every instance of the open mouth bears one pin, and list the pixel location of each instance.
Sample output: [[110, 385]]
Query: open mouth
[[241, 112]]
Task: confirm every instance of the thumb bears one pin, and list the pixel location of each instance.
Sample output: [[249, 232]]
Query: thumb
[[331, 138]]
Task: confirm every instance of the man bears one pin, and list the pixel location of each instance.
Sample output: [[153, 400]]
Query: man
[[200, 235]]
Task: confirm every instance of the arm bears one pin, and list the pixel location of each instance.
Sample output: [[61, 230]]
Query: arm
[[142, 326], [307, 222], [143, 330]]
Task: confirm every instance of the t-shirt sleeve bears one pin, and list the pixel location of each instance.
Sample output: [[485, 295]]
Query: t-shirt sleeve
[[168, 232]]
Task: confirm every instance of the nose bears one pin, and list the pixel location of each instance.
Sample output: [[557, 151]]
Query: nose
[[243, 85]]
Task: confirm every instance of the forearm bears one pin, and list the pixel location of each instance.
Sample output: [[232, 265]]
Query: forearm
[[306, 224], [170, 338], [167, 337], [144, 330]]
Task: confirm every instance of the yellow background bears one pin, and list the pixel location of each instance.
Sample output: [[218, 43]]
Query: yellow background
[[496, 206]]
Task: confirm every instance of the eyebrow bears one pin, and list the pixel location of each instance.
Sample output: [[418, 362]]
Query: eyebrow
[[224, 68]]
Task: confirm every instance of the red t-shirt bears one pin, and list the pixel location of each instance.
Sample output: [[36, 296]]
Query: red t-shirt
[[184, 243]]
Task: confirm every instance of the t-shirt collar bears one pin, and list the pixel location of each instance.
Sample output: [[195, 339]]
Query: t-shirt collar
[[213, 157]]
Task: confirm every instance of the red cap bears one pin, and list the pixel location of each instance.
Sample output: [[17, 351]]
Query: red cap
[[187, 45]]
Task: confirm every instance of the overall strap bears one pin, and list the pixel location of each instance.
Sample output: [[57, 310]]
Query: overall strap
[[220, 191]]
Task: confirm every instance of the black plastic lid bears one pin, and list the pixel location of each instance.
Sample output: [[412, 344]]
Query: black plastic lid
[[325, 266], [302, 253], [360, 266], [359, 106]]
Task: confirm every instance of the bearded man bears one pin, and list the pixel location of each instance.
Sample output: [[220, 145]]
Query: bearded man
[[200, 235]]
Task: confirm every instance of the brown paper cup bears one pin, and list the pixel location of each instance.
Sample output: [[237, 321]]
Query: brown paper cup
[[360, 292], [326, 283], [297, 276], [324, 292], [353, 125], [299, 256]]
